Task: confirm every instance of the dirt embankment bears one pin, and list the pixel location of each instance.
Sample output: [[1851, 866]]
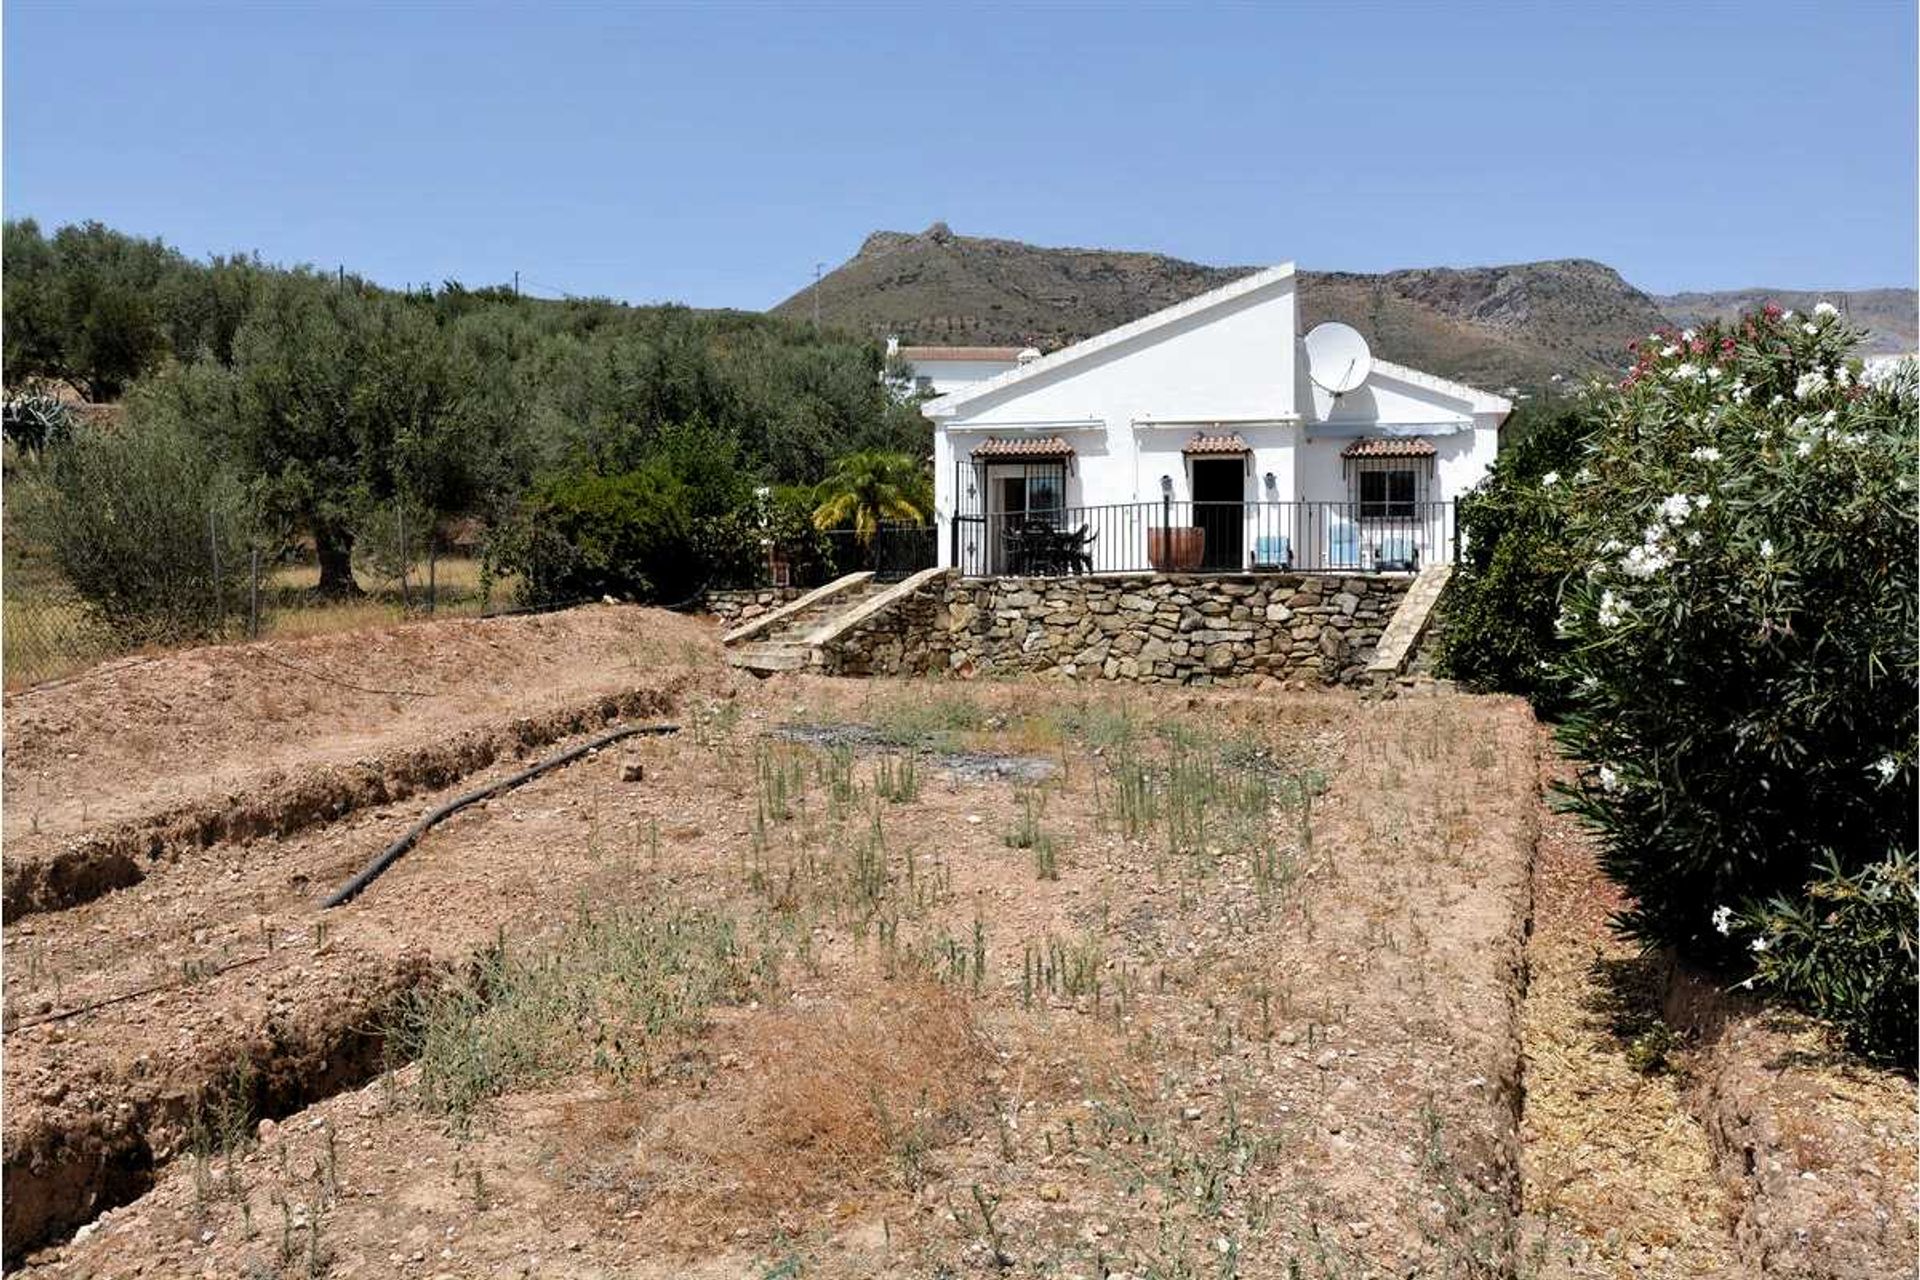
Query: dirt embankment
[[115, 773], [1673, 1129]]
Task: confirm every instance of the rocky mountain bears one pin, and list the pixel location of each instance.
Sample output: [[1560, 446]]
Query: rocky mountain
[[1501, 326], [1887, 314]]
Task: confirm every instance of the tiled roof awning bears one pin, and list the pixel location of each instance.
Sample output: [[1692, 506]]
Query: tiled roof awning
[[960, 353], [1231, 443], [1023, 447], [1387, 447]]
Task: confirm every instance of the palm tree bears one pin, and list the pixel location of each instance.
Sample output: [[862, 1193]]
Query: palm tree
[[865, 489]]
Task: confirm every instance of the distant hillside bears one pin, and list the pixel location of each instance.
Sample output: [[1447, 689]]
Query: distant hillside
[[1491, 326], [1888, 314]]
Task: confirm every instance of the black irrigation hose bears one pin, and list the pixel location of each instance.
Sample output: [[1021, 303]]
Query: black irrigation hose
[[391, 854]]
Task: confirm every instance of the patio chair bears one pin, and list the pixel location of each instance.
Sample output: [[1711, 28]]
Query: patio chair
[[1343, 543], [1272, 553], [1396, 551], [1079, 549]]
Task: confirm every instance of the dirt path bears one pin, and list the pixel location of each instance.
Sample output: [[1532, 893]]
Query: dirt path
[[1164, 1053], [1618, 1176]]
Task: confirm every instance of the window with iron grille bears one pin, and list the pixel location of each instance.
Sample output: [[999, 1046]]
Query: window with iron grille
[[1388, 492]]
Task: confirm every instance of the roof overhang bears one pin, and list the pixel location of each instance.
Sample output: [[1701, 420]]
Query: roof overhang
[[1022, 449], [1389, 447], [1229, 444]]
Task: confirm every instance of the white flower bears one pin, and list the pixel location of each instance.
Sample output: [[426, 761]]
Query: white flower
[[1844, 375], [1609, 778], [1713, 371], [1825, 311], [1830, 417], [1611, 546], [1886, 767], [1802, 449], [1701, 502], [1676, 507], [1723, 920], [1686, 335], [1669, 351], [1583, 475], [1645, 561], [1758, 944], [1693, 537], [1811, 383], [1766, 548], [1686, 371], [1705, 453], [1809, 328], [1550, 479], [1787, 314], [1613, 610]]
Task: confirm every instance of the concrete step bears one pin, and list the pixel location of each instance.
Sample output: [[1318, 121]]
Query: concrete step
[[799, 626], [770, 657]]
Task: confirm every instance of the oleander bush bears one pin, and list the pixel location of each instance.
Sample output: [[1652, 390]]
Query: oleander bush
[[1739, 659]]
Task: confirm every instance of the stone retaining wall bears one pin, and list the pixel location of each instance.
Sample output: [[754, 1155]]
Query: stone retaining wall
[[1175, 629], [1166, 629], [734, 606], [912, 638]]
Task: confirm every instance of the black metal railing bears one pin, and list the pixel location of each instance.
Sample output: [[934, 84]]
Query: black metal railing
[[1207, 537]]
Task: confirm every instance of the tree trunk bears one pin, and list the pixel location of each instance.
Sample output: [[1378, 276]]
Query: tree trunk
[[333, 547]]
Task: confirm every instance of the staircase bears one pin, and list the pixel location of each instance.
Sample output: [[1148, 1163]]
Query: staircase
[[1400, 643], [780, 641]]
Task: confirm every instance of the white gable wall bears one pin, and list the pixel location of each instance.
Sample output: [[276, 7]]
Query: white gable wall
[[1232, 364]]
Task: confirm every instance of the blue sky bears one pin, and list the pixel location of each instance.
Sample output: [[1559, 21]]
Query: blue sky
[[712, 155]]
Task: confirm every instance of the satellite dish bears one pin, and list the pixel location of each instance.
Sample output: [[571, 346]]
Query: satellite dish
[[1337, 357]]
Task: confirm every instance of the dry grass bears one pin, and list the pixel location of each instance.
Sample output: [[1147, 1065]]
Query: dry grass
[[827, 1103], [49, 635], [1617, 1175]]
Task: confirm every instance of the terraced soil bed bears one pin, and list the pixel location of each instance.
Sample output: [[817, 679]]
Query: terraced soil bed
[[1233, 990], [117, 772]]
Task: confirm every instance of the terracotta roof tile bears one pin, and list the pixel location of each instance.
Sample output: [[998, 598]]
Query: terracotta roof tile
[[1231, 442], [911, 354], [1389, 447], [1025, 447]]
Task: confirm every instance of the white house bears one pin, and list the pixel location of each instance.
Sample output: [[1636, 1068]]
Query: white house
[[1197, 437], [940, 370]]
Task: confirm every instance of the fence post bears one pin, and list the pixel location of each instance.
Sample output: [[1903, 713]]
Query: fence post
[[253, 595], [213, 556], [433, 587], [400, 525]]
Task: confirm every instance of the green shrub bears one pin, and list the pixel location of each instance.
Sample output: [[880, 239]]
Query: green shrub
[[1505, 594], [1740, 638], [584, 536], [1847, 952], [149, 528]]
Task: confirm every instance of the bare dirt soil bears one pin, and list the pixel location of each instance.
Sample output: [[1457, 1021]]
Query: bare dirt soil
[[1676, 1129], [1233, 988], [115, 772], [855, 978]]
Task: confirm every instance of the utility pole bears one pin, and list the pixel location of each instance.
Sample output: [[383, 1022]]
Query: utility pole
[[516, 283], [818, 267]]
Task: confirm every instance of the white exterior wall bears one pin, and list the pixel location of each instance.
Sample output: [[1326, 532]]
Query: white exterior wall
[[1127, 402], [952, 375]]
